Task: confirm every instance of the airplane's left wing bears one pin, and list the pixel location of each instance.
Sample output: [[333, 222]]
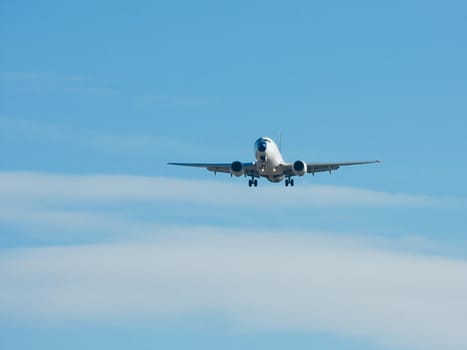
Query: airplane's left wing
[[249, 168], [320, 167]]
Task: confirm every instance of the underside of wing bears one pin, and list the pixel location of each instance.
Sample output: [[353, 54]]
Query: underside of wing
[[312, 168], [247, 168], [319, 167]]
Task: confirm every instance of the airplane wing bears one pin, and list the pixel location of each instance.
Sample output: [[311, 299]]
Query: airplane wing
[[320, 167], [250, 169]]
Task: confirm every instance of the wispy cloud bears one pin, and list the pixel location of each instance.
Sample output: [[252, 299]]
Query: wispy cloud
[[48, 76], [44, 131], [183, 101], [65, 225], [46, 186], [271, 279], [95, 204], [258, 281], [103, 141], [44, 82], [36, 131], [84, 84]]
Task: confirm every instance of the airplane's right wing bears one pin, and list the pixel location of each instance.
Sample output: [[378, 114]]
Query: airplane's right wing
[[249, 168]]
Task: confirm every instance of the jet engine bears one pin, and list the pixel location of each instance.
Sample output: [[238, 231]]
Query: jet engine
[[236, 168], [299, 168]]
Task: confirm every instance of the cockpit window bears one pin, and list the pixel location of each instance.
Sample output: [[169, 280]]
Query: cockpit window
[[267, 139]]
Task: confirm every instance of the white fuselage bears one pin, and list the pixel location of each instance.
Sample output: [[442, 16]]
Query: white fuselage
[[268, 159]]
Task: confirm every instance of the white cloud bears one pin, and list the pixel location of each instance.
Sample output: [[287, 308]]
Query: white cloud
[[56, 187], [48, 77], [30, 128], [82, 84], [50, 133], [102, 208], [177, 101], [100, 203], [66, 223], [47, 82], [304, 281], [259, 281]]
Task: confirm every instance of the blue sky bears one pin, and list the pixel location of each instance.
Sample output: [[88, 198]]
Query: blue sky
[[103, 245]]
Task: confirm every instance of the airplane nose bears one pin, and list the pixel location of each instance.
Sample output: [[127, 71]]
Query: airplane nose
[[262, 146]]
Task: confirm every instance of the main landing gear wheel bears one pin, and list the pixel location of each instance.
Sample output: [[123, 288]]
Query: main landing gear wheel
[[252, 182], [289, 182]]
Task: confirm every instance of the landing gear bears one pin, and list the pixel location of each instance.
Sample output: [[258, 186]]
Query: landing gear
[[288, 182], [252, 182]]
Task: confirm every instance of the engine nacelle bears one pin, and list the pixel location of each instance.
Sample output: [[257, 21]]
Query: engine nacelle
[[236, 168], [299, 168]]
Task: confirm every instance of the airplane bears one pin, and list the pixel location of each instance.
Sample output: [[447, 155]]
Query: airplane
[[270, 165]]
